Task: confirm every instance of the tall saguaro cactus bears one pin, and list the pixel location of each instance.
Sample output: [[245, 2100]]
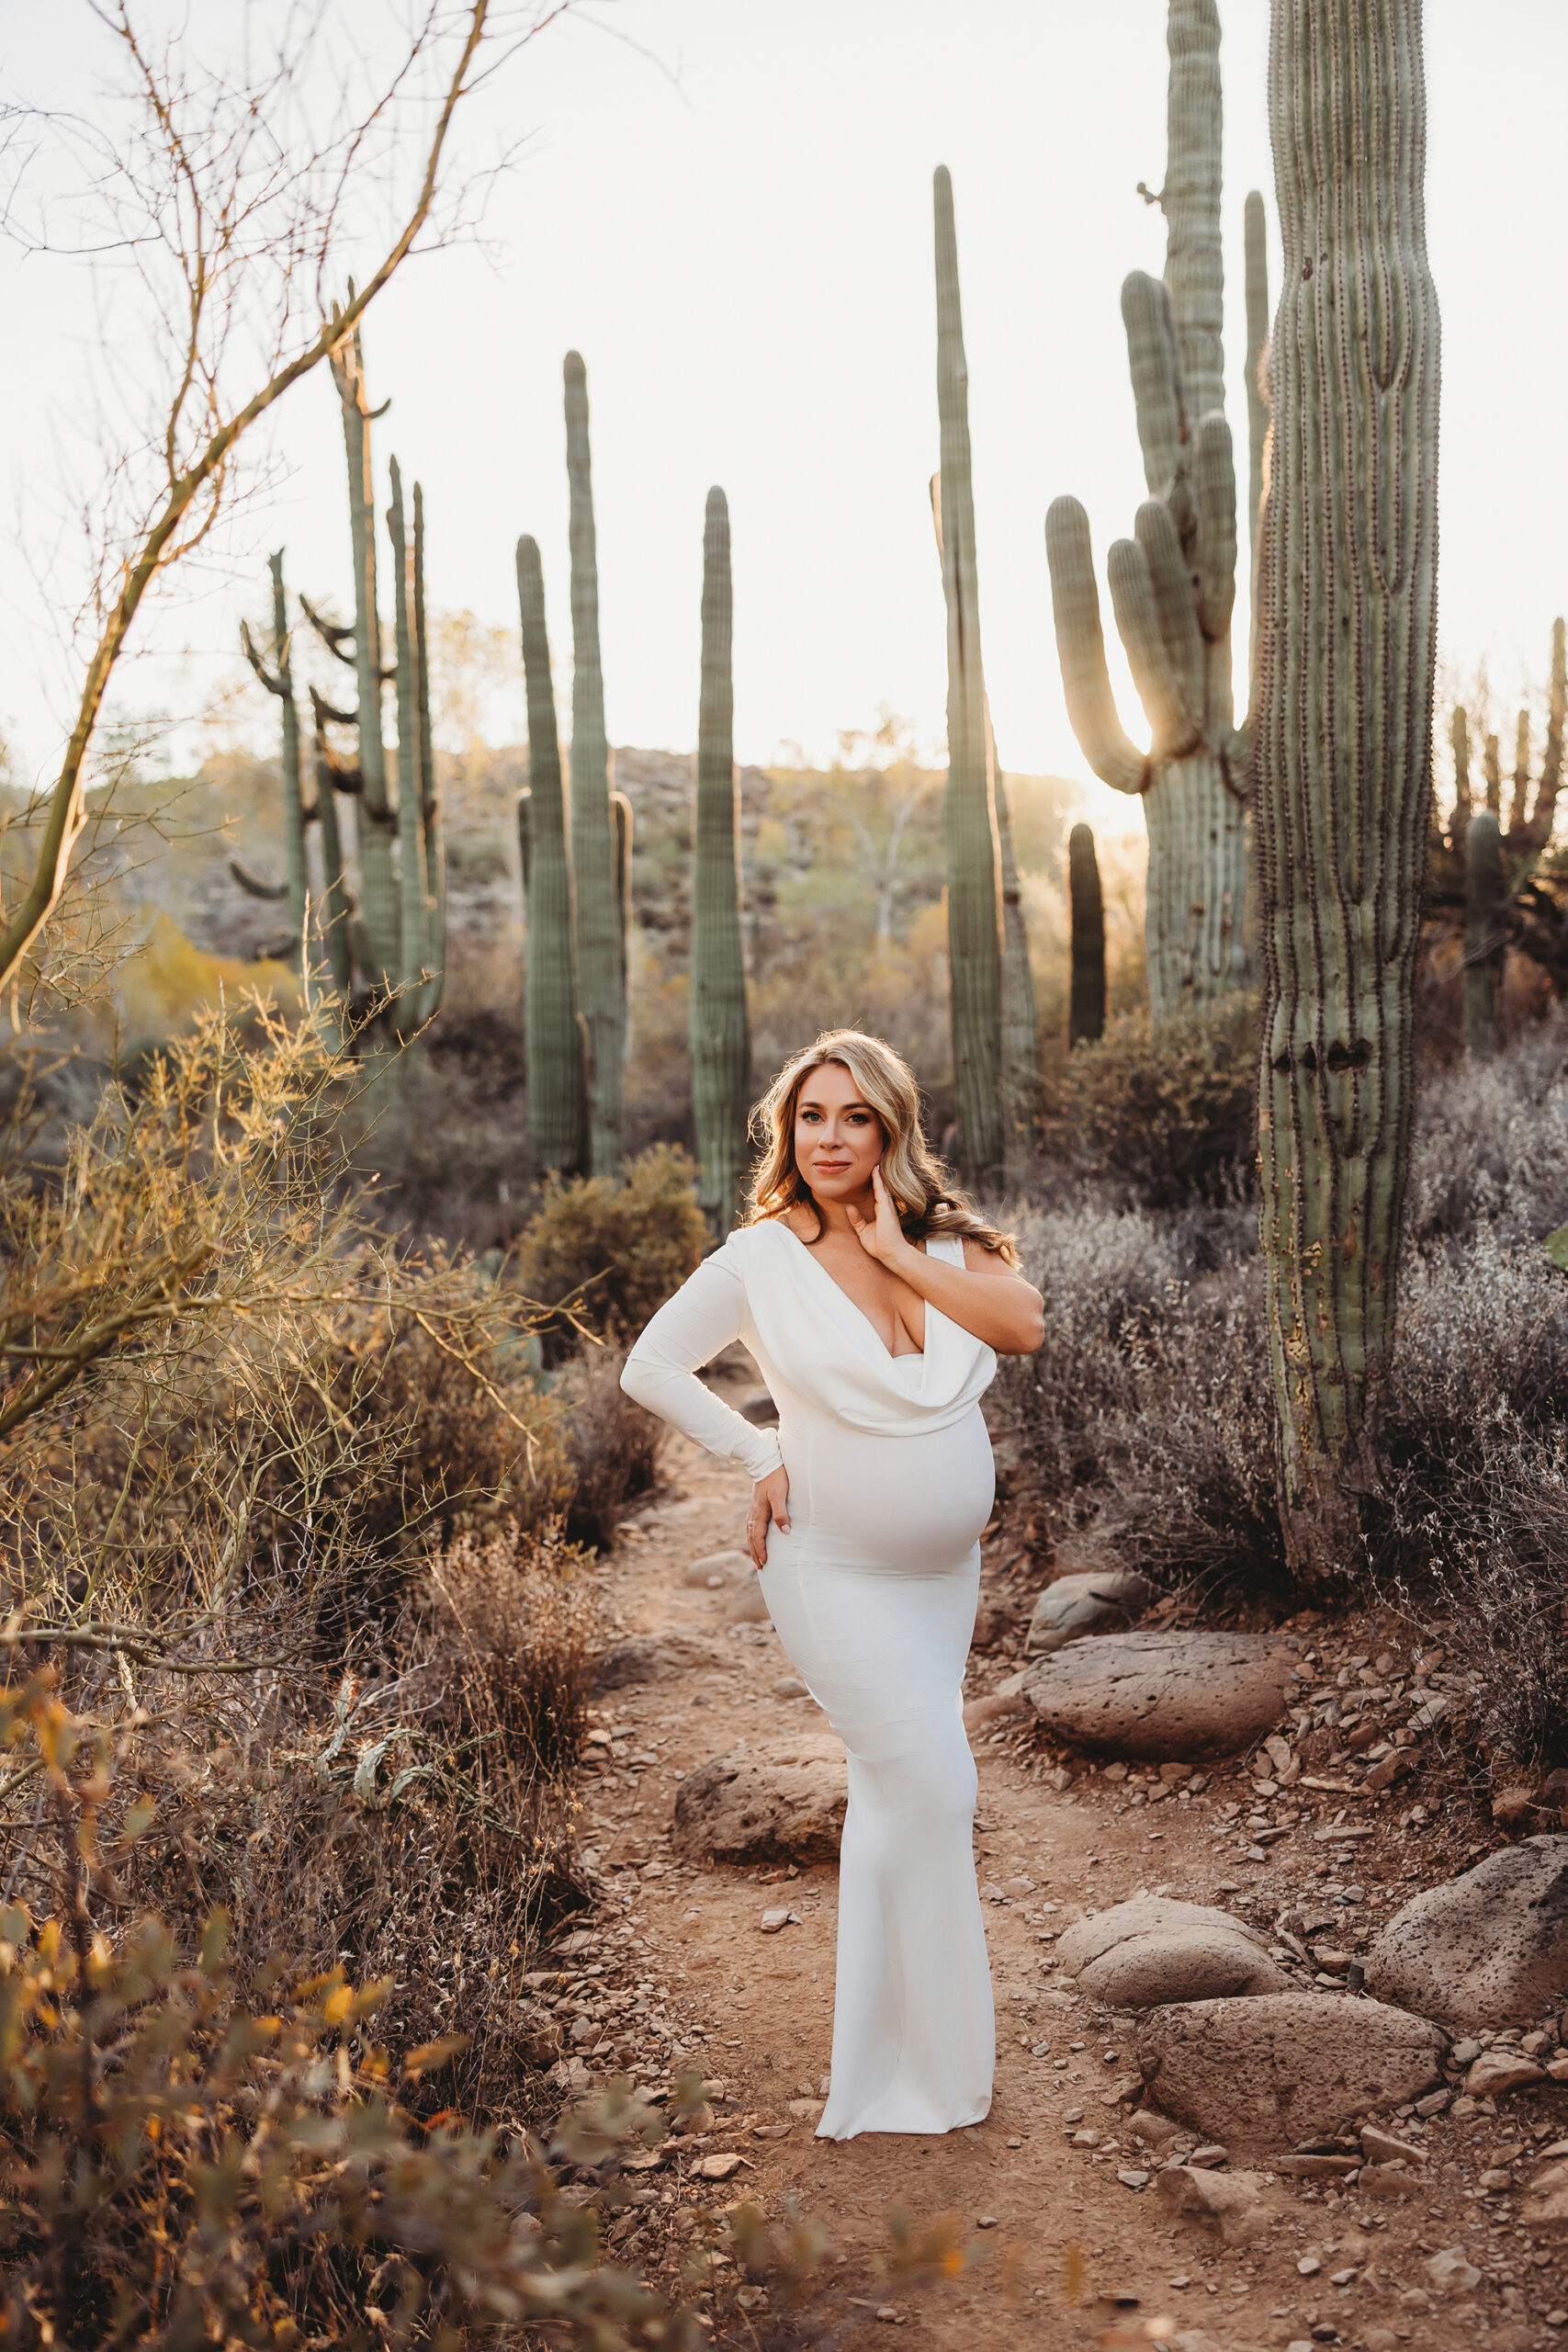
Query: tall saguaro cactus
[[554, 1038], [377, 823], [1486, 892], [1344, 745], [411, 895], [974, 927], [1086, 1000], [430, 801], [1173, 583], [720, 1027], [600, 966], [279, 680]]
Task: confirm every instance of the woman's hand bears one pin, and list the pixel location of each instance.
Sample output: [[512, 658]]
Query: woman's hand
[[881, 1239], [770, 1503]]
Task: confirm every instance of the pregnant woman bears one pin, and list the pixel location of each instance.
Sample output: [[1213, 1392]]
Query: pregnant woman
[[876, 1298]]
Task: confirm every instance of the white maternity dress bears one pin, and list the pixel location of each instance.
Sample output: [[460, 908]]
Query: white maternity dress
[[873, 1592]]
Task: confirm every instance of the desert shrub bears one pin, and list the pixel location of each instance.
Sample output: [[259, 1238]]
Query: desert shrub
[[616, 1251], [515, 1625], [1169, 1112], [612, 1445]]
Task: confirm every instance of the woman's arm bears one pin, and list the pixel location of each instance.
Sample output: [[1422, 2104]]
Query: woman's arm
[[690, 1329], [984, 1296]]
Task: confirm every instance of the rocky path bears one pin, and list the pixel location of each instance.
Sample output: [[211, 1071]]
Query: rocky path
[[1077, 2244]]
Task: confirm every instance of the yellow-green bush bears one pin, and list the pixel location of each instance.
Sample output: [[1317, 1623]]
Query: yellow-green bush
[[614, 1252], [1170, 1110]]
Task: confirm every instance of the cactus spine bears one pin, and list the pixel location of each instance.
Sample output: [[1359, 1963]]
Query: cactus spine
[[1173, 584], [974, 929], [600, 965], [379, 896], [1086, 1002], [720, 1030], [1344, 745], [554, 1041]]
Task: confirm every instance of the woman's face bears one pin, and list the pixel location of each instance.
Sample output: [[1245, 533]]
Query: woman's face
[[839, 1139]]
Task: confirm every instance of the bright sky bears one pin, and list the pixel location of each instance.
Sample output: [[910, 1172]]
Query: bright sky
[[735, 229]]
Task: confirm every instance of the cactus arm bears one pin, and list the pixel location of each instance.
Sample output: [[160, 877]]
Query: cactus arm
[[554, 1042], [599, 962], [1344, 748], [1171, 583], [1213, 482], [336, 636], [377, 891], [1086, 1002], [1492, 774], [429, 800], [1194, 269], [1520, 808], [1484, 895], [720, 1029], [253, 886], [1080, 649], [1160, 689], [1155, 369], [413, 969], [335, 929], [1255, 233], [625, 830], [1551, 759], [1459, 736]]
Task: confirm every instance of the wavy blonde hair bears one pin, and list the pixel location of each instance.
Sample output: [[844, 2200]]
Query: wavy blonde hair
[[928, 1200]]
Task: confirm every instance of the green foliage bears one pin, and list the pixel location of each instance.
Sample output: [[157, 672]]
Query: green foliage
[[1170, 1109], [614, 1251]]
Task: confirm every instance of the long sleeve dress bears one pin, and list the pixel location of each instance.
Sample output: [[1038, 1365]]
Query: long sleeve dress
[[872, 1593]]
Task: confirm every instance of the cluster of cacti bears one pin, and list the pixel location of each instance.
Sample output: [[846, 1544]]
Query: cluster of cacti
[[1173, 583], [1343, 750], [390, 937], [720, 1026], [576, 852], [1086, 998], [995, 1023]]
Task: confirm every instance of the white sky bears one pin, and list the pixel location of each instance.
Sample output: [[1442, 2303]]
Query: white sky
[[738, 238]]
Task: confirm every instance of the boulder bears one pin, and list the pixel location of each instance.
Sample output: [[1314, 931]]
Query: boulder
[[1073, 1606], [1284, 2066], [1485, 1950], [783, 1802], [1162, 1696], [1233, 2199], [1152, 1950]]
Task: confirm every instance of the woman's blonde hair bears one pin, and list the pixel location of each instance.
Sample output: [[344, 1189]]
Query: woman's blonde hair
[[928, 1200]]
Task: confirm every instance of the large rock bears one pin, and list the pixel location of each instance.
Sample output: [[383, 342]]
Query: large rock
[[1233, 2199], [780, 1802], [1486, 1950], [1155, 1951], [1162, 1696], [1284, 2066], [1073, 1606], [641, 1658]]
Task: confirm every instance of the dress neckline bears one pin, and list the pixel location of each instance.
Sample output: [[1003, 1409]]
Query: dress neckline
[[910, 1355]]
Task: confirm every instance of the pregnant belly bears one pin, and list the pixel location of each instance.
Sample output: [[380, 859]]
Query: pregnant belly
[[913, 1505]]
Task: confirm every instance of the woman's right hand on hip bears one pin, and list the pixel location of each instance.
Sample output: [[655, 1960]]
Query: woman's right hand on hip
[[770, 1506]]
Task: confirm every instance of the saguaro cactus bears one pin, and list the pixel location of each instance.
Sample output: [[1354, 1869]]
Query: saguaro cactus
[[1086, 1000], [974, 926], [279, 680], [1484, 938], [553, 1036], [720, 1028], [430, 804], [1173, 584], [376, 820], [600, 964], [1344, 746]]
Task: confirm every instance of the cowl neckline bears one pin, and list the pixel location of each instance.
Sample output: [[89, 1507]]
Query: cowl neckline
[[826, 1349]]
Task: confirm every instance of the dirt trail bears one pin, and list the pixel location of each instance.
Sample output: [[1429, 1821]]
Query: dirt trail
[[755, 2010]]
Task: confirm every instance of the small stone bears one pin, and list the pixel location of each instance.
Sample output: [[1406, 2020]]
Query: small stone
[[790, 1686], [890, 2315], [772, 1921], [985, 2222], [1496, 2178], [1557, 2319], [1384, 2149], [1309, 2266], [1209, 2159], [1464, 2053], [1434, 2102], [1156, 2129], [1342, 2279], [1501, 2070], [1231, 2199], [1385, 2180], [1132, 2178], [722, 2168], [1450, 2274], [1087, 2139], [806, 2111]]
